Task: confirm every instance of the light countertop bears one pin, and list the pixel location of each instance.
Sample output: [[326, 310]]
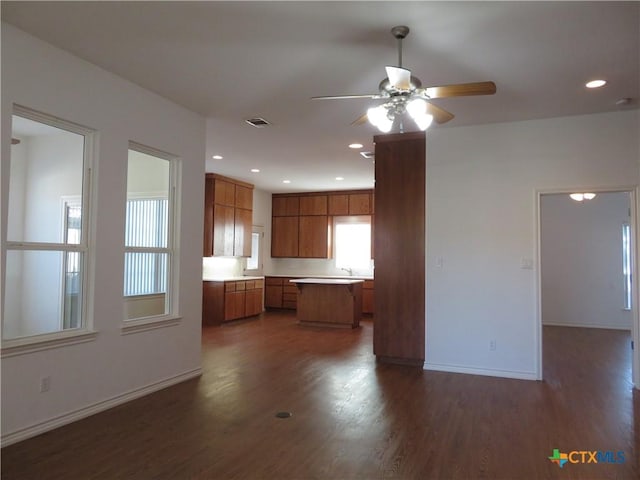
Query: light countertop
[[327, 281], [297, 275], [229, 279]]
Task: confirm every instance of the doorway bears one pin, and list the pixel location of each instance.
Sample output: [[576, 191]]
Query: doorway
[[586, 263]]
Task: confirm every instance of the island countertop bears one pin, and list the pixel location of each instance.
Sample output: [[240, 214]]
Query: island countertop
[[328, 281]]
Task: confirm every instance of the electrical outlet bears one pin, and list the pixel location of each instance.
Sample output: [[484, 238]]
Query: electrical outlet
[[492, 345], [45, 384]]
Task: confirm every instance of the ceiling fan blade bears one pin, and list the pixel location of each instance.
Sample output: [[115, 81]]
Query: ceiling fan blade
[[360, 120], [440, 115], [342, 97], [461, 90], [399, 78]]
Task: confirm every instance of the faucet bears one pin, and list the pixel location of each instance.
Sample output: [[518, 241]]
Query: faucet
[[348, 270]]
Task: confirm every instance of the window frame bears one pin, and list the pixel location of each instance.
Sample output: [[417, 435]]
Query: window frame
[[350, 219], [84, 332], [172, 314]]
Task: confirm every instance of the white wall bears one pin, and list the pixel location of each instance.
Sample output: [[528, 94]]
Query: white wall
[[581, 260], [481, 223], [113, 367], [49, 168]]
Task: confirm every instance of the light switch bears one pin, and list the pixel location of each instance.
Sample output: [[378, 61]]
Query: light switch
[[439, 262], [526, 263]]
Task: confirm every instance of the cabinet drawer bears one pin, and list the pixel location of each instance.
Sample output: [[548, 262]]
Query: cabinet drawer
[[368, 285], [292, 289], [250, 284], [258, 283], [276, 281], [229, 286], [289, 297], [241, 286]]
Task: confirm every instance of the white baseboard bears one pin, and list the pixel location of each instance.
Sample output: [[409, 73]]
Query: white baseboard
[[606, 327], [487, 372], [74, 416]]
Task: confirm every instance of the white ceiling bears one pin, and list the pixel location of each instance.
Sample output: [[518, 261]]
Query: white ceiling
[[231, 61]]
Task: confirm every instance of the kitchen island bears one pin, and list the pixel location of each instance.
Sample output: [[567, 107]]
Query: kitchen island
[[329, 302]]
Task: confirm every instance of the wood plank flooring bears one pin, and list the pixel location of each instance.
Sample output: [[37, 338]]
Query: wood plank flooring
[[353, 418]]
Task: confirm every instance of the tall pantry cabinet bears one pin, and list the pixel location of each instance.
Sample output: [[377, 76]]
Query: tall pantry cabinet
[[399, 239]]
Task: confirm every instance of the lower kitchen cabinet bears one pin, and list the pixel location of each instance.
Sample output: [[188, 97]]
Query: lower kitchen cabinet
[[227, 300], [281, 293], [367, 297]]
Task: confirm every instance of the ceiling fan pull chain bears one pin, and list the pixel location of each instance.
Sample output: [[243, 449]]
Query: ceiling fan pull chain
[[400, 52]]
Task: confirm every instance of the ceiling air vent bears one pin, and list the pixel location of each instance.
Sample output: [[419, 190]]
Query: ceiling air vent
[[367, 155], [257, 122]]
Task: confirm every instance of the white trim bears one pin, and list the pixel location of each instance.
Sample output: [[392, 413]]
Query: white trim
[[487, 372], [577, 325], [148, 323], [36, 343], [97, 407], [634, 192]]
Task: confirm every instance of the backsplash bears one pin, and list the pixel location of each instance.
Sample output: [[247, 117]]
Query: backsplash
[[222, 267], [312, 266]]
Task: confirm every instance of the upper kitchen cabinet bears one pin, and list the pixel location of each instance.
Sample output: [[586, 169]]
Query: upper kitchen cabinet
[[228, 216], [302, 222]]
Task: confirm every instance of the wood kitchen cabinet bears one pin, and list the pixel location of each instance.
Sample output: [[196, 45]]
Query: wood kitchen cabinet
[[301, 225], [313, 233], [226, 300], [279, 292], [228, 217], [284, 236], [367, 297], [399, 237]]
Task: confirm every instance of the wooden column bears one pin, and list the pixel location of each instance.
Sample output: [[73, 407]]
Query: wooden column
[[399, 239]]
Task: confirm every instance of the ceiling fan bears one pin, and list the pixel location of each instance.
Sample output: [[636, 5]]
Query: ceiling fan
[[404, 93]]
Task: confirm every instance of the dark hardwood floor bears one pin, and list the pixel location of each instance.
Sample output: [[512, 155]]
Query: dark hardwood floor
[[353, 418]]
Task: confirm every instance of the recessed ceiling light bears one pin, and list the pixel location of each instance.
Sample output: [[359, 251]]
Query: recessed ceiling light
[[339, 178], [286, 181], [356, 145], [595, 83], [217, 157], [255, 170]]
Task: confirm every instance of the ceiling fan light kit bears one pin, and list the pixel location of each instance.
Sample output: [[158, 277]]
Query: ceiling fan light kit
[[404, 94]]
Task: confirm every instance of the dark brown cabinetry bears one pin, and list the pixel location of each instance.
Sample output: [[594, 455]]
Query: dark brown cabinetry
[[279, 292], [223, 301], [301, 223], [367, 297], [227, 217], [399, 239]]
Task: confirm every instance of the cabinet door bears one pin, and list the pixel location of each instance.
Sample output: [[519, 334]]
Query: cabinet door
[[313, 205], [314, 237], [273, 296], [242, 233], [253, 302], [339, 204], [284, 237], [223, 230], [212, 303], [367, 297], [234, 305], [360, 204], [208, 217], [244, 197], [285, 206], [225, 193]]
